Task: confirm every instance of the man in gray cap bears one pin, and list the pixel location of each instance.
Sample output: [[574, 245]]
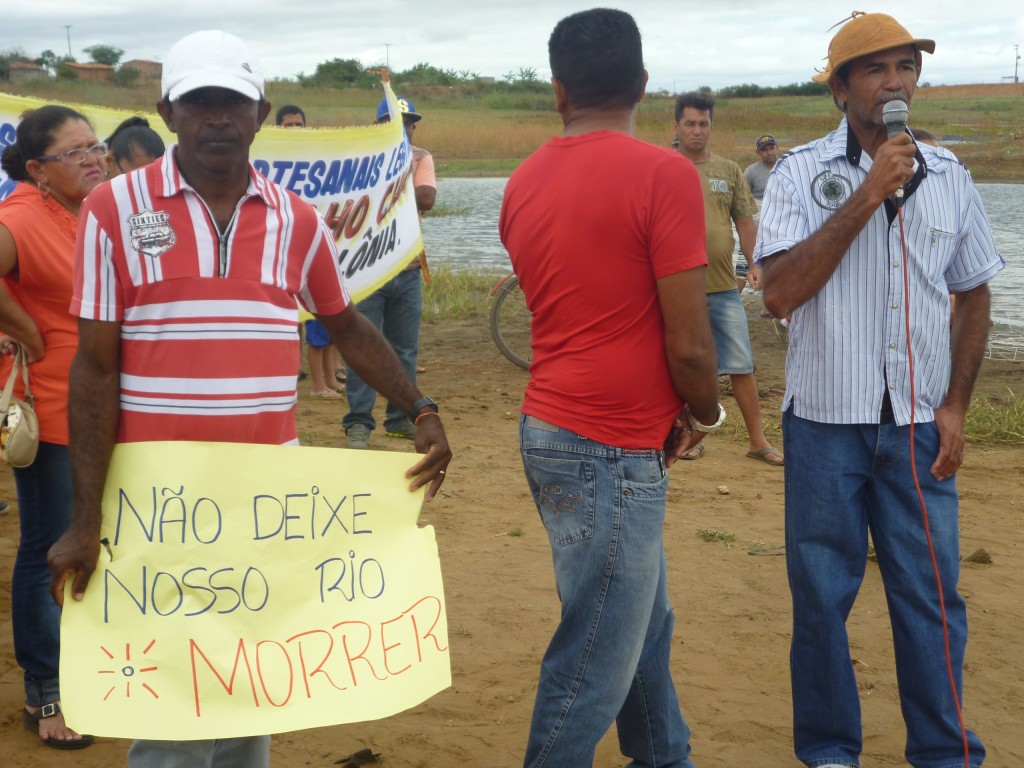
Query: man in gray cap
[[862, 238], [187, 273], [756, 174]]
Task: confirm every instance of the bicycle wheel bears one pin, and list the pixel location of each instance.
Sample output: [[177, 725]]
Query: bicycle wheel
[[510, 322]]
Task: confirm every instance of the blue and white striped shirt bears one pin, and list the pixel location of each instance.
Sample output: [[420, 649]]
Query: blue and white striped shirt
[[848, 342]]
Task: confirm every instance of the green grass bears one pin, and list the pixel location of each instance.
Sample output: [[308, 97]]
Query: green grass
[[999, 422], [441, 209], [457, 294], [485, 168], [712, 535]]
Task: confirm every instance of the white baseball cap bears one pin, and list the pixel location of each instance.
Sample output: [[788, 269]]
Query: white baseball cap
[[211, 58]]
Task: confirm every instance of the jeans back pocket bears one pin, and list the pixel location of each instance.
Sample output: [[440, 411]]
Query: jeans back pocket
[[565, 493]]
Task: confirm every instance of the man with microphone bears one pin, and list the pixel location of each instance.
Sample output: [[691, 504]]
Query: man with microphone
[[847, 219]]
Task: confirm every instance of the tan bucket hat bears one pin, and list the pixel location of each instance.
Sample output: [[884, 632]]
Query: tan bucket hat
[[867, 33]]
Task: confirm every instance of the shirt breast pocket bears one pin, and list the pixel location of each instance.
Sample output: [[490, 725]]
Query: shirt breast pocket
[[941, 244]]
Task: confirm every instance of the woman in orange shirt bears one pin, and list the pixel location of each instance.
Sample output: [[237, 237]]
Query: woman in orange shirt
[[58, 161]]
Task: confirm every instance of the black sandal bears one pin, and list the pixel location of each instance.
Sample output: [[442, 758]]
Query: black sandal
[[362, 757], [31, 722]]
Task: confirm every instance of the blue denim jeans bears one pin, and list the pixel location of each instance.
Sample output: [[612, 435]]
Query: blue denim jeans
[[730, 333], [44, 508], [842, 481], [244, 752], [603, 509], [395, 309]]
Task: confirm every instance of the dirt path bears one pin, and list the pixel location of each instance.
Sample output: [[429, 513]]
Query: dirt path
[[730, 659]]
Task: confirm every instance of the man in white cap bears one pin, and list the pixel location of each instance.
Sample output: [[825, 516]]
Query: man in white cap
[[168, 258], [862, 238]]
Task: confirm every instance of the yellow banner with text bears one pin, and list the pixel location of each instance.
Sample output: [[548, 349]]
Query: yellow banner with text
[[249, 589], [365, 170]]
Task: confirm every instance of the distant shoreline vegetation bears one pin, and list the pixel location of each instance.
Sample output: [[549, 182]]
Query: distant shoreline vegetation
[[477, 126]]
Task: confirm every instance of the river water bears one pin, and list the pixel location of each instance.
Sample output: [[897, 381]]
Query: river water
[[469, 240]]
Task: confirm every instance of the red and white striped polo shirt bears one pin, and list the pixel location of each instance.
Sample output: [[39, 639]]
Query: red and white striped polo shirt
[[209, 325]]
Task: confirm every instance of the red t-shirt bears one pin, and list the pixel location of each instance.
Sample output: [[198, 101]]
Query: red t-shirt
[[591, 223], [209, 325]]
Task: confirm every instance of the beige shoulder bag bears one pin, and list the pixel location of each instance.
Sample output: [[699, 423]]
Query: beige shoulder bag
[[19, 430]]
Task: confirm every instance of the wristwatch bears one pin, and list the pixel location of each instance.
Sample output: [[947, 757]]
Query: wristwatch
[[423, 404], [706, 427]]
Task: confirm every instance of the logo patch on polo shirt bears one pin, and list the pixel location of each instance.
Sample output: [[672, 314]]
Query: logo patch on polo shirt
[[151, 232], [831, 190]]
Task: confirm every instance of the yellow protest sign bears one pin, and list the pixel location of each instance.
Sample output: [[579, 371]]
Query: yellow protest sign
[[254, 589], [365, 170]]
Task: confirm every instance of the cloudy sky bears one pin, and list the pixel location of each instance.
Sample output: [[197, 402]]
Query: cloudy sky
[[687, 44]]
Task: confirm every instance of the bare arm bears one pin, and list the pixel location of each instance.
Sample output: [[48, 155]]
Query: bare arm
[[8, 251], [370, 355], [425, 197], [691, 355], [793, 277], [20, 327], [747, 230], [15, 321], [969, 333], [93, 419], [423, 179]]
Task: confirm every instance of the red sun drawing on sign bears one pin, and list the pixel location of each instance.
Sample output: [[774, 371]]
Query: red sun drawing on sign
[[129, 672]]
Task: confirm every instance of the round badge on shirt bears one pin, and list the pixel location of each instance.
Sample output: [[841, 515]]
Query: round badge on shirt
[[830, 190]]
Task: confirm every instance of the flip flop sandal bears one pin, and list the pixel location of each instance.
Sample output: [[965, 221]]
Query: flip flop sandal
[[763, 454], [31, 722], [362, 757], [694, 453]]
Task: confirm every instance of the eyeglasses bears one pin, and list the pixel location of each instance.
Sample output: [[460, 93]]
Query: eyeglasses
[[78, 156]]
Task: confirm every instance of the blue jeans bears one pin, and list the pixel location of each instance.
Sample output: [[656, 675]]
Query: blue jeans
[[395, 309], [730, 333], [603, 509], [244, 752], [44, 508], [842, 481]]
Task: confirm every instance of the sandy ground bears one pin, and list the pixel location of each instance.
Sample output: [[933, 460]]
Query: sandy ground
[[732, 601]]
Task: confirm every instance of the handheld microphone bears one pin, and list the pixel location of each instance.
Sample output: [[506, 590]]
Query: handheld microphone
[[894, 115]]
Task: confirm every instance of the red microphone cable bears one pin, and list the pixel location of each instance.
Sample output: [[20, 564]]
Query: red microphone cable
[[924, 506]]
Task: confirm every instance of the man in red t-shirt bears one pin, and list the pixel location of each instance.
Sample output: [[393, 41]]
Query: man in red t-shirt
[[606, 234], [186, 277]]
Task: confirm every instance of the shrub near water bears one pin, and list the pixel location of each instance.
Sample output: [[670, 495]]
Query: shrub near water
[[457, 294]]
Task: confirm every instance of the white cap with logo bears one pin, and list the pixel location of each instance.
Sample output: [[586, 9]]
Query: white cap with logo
[[211, 58]]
